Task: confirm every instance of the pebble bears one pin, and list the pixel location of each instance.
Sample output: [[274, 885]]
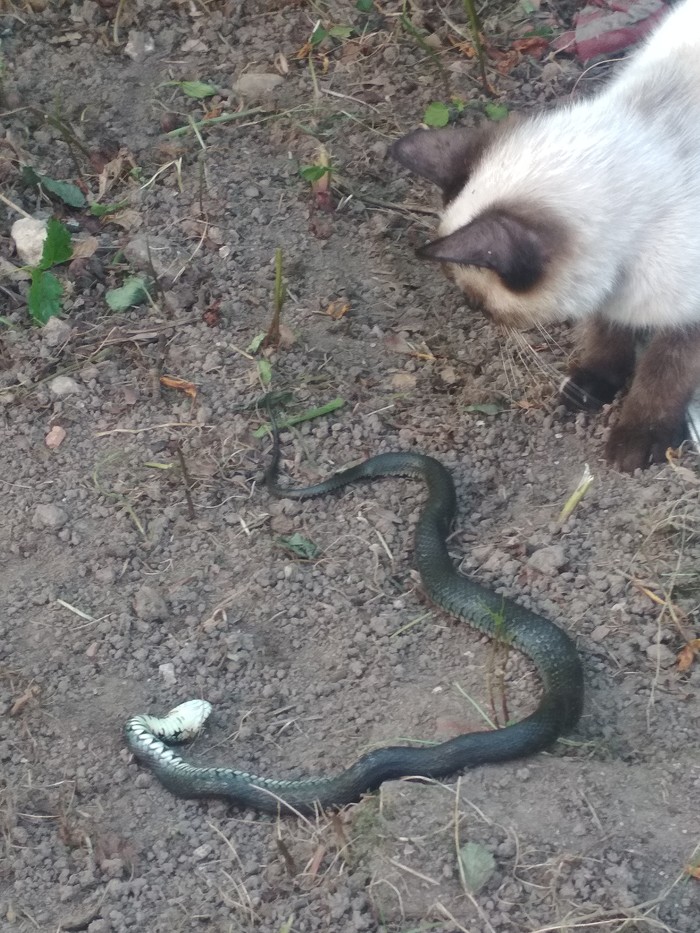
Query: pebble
[[55, 332], [149, 604], [257, 86], [51, 517], [61, 386], [28, 234], [548, 560], [167, 672], [661, 655]]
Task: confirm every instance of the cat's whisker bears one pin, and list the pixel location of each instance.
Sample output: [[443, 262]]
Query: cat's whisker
[[551, 341], [508, 366], [527, 352]]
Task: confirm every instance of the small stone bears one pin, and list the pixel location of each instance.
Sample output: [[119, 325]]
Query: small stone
[[63, 385], [661, 655], [55, 437], [98, 926], [259, 85], [548, 560], [49, 516], [148, 254], [55, 332], [600, 632], [139, 45], [149, 605], [201, 852], [167, 672], [29, 234]]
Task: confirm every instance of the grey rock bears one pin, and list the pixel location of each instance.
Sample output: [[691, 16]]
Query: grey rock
[[149, 605], [55, 332], [51, 517], [257, 86], [548, 560], [62, 386], [661, 655]]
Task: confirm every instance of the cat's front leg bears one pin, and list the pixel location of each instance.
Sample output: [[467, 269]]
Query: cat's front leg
[[603, 364], [653, 414]]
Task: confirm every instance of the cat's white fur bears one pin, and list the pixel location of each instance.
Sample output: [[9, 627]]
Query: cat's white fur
[[622, 170]]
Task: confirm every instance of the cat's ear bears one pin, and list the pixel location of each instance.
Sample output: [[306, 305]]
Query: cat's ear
[[513, 247], [445, 157]]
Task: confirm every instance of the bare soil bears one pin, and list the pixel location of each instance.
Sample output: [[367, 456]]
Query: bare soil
[[129, 586]]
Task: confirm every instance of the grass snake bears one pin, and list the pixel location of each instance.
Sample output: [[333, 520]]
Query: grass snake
[[549, 647]]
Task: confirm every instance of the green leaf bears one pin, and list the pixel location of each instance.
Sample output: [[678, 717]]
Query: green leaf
[[340, 32], [318, 35], [309, 415], [540, 32], [300, 546], [436, 114], [44, 298], [314, 173], [198, 89], [265, 372], [486, 408], [101, 210], [495, 112], [477, 865], [364, 6], [30, 177], [57, 245], [254, 344], [133, 292], [65, 191]]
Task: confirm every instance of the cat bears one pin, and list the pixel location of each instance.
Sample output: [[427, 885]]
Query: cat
[[590, 212]]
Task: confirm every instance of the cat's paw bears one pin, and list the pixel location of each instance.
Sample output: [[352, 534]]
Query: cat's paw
[[633, 446], [585, 390]]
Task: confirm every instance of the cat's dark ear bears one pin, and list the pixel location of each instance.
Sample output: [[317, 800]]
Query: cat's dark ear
[[513, 247], [445, 157]]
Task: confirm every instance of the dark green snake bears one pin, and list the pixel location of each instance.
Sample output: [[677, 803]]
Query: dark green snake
[[550, 648]]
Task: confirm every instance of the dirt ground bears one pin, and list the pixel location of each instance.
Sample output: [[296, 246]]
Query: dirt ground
[[129, 585]]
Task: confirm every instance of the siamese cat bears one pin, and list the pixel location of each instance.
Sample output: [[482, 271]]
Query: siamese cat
[[591, 212]]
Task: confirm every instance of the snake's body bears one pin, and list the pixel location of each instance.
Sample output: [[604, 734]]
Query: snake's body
[[548, 646]]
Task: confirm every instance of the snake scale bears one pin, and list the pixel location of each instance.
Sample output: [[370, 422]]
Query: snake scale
[[548, 646]]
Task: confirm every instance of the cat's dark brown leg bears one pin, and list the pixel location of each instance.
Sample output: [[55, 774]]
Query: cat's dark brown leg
[[653, 414], [604, 363]]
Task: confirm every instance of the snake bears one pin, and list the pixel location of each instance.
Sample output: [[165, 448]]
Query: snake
[[548, 646]]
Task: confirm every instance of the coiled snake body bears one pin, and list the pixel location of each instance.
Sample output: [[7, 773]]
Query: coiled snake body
[[550, 648]]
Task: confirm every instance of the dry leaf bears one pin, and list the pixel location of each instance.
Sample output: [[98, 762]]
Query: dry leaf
[[397, 344], [688, 654], [338, 309], [127, 220], [22, 700], [449, 376], [181, 385], [287, 336], [693, 871], [83, 249], [536, 46], [403, 381], [55, 437]]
